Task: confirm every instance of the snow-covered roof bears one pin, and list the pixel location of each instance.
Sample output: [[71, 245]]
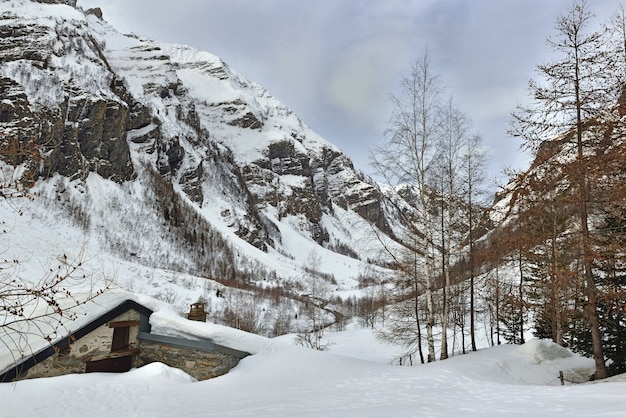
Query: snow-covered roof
[[164, 325], [77, 329]]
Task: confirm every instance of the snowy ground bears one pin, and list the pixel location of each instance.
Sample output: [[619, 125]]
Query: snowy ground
[[352, 379]]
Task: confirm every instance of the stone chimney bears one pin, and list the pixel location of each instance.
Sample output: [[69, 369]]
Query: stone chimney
[[197, 312]]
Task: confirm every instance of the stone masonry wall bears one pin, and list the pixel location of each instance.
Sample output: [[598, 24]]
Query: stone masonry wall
[[199, 364], [97, 342]]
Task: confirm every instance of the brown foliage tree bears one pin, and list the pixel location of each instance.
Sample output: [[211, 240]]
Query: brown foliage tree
[[576, 90]]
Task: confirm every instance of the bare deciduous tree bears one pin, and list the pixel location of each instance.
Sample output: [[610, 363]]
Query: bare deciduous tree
[[448, 175], [473, 167], [405, 311], [244, 311], [408, 157], [35, 308], [317, 291]]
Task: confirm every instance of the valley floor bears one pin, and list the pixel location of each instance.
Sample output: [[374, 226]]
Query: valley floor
[[352, 379]]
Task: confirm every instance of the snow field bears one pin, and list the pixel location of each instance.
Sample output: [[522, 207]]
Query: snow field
[[282, 380]]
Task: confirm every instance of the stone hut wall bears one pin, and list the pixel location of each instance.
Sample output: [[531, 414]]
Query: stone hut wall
[[72, 360], [200, 359], [198, 363]]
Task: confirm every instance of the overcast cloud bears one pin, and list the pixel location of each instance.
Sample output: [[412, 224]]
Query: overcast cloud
[[334, 62]]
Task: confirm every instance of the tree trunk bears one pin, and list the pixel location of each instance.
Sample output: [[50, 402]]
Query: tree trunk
[[471, 267], [592, 304], [497, 305], [430, 314], [521, 298], [446, 313], [446, 288], [417, 317]]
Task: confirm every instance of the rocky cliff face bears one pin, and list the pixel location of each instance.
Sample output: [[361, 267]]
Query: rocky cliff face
[[77, 129], [91, 100]]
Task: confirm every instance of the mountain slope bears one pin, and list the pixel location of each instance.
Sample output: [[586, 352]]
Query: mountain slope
[[171, 159]]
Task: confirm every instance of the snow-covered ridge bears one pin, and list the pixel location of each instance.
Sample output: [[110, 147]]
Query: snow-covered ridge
[[212, 83]]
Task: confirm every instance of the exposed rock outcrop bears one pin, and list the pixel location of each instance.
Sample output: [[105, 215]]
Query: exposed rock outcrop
[[75, 130], [68, 2]]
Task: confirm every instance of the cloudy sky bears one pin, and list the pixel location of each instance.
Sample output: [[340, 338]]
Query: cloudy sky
[[335, 62]]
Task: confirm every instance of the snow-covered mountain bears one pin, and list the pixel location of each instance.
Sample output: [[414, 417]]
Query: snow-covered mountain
[[171, 159]]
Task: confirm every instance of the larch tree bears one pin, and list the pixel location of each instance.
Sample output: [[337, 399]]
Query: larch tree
[[493, 296], [551, 279], [572, 89], [617, 38]]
